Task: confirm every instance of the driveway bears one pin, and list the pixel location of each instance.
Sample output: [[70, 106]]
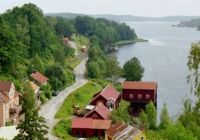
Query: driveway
[[49, 109]]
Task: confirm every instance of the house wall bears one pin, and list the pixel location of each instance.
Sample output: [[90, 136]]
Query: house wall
[[2, 120], [108, 137], [83, 132], [133, 95], [99, 99]]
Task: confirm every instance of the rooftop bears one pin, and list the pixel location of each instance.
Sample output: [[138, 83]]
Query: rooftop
[[120, 131], [34, 86], [109, 92], [39, 77], [139, 85], [90, 123], [5, 85], [102, 110]]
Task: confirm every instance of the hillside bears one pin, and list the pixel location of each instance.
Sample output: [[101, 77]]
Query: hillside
[[28, 42]]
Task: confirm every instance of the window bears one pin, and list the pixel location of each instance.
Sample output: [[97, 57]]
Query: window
[[139, 96], [131, 96], [147, 96]]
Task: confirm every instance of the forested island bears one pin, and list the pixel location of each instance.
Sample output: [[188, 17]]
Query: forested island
[[194, 23]]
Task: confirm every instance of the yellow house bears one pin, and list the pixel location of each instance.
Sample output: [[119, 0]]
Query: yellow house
[[122, 131]]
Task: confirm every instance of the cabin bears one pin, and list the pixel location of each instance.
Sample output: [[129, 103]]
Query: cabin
[[99, 112], [109, 96], [139, 94], [122, 131], [88, 127], [39, 78], [9, 103]]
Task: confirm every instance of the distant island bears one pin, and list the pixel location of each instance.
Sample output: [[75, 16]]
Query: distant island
[[194, 23], [126, 17]]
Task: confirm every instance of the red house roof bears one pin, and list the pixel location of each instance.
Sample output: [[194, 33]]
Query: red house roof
[[90, 123], [100, 109], [5, 85], [122, 131], [39, 77], [140, 85], [109, 92]]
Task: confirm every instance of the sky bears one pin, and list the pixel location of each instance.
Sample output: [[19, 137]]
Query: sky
[[153, 8]]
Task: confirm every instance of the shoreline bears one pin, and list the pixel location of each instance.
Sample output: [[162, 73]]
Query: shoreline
[[126, 42]]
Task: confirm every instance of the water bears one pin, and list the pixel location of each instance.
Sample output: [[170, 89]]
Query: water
[[164, 58]]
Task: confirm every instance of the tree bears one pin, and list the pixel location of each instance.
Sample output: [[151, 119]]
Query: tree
[[144, 119], [190, 118], [33, 126], [133, 70], [164, 118], [152, 115], [121, 113], [113, 69]]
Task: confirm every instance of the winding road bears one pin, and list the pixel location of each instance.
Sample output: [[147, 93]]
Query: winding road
[[49, 109]]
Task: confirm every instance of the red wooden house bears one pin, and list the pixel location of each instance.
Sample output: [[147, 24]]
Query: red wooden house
[[88, 127], [99, 112], [109, 96], [139, 94]]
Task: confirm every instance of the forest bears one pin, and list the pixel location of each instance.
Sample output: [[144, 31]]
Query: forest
[[30, 41]]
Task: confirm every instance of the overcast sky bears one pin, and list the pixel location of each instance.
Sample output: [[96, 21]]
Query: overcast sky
[[119, 7]]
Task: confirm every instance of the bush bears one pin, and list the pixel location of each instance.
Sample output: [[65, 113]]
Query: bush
[[43, 98]]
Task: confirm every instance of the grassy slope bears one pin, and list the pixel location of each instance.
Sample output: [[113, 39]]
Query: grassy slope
[[81, 97]]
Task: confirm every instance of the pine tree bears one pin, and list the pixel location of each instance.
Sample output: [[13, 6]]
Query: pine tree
[[164, 118], [152, 115], [33, 126], [144, 119]]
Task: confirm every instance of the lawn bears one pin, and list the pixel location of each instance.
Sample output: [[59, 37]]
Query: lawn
[[81, 97]]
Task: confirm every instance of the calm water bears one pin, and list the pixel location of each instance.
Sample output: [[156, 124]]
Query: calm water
[[164, 58]]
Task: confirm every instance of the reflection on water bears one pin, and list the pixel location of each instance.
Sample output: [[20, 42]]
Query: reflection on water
[[164, 58]]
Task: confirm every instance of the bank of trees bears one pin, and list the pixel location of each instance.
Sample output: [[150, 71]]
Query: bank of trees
[[28, 42]]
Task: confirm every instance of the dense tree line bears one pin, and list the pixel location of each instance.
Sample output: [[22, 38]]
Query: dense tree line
[[29, 42], [192, 23], [105, 31]]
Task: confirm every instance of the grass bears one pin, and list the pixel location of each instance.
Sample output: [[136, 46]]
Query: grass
[[63, 129], [73, 62], [80, 40], [81, 97], [126, 42]]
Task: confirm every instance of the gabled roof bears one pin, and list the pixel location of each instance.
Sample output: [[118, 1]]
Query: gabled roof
[[139, 85], [34, 86], [5, 85], [109, 92], [100, 109], [4, 98], [89, 123], [37, 76], [122, 131]]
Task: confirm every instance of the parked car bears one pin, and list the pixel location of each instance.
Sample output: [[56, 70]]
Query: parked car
[[55, 93]]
